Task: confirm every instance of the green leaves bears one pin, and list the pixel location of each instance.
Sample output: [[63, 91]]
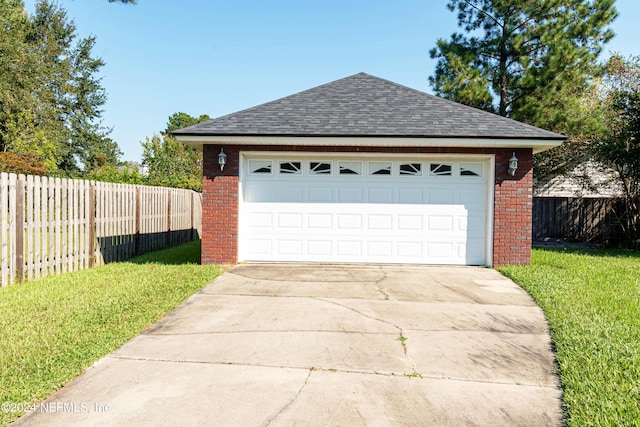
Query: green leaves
[[618, 143], [50, 93], [516, 53], [171, 163]]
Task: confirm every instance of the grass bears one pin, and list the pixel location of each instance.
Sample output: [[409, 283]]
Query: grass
[[592, 302], [52, 329]]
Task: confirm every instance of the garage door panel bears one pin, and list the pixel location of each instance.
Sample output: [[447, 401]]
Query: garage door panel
[[349, 248], [349, 222], [380, 222], [410, 195], [379, 249], [440, 196], [440, 223], [475, 225], [471, 199], [440, 250], [380, 195], [290, 220], [320, 195], [349, 195], [410, 250], [259, 247], [319, 248], [410, 222], [320, 221], [289, 247], [360, 218], [260, 220], [290, 195]]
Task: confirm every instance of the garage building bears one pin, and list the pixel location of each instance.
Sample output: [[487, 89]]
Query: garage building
[[364, 170]]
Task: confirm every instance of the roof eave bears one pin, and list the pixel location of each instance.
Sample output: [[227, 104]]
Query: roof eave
[[537, 144]]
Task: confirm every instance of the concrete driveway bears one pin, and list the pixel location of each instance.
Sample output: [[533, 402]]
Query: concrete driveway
[[346, 345]]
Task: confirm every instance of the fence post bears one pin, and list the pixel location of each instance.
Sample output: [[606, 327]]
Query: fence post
[[192, 236], [168, 218], [92, 225], [20, 229], [137, 230]]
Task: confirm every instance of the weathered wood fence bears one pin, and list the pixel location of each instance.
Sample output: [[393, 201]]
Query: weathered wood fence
[[56, 225], [586, 220]]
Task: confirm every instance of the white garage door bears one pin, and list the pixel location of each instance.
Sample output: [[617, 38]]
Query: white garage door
[[320, 208]]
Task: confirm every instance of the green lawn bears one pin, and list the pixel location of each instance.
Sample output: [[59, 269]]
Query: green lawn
[[592, 303], [52, 329]]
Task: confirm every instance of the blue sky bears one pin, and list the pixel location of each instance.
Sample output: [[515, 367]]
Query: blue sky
[[218, 57]]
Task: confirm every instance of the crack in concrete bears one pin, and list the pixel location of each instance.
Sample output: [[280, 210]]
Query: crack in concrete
[[359, 312], [401, 338], [377, 285], [460, 292], [284, 408]]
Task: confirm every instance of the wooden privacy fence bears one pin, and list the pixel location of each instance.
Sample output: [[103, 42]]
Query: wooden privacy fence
[[57, 225], [587, 220]]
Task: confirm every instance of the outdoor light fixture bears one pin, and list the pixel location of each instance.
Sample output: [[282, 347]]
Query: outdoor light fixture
[[513, 164], [222, 159]]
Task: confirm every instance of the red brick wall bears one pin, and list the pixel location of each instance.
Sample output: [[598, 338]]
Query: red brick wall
[[512, 207], [219, 207]]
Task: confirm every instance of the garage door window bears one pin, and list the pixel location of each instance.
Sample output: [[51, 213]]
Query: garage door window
[[470, 169], [319, 168], [440, 169], [411, 169], [379, 168], [260, 167], [350, 168], [291, 168]]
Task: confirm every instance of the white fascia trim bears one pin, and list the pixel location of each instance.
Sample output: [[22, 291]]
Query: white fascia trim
[[537, 145], [490, 211]]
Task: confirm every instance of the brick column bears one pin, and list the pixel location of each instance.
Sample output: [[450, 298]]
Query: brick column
[[219, 206], [513, 206]]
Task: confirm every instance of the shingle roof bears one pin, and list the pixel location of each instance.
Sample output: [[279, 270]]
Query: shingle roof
[[366, 106]]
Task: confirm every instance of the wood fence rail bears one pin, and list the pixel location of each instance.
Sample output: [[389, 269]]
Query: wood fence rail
[[585, 220], [56, 225]]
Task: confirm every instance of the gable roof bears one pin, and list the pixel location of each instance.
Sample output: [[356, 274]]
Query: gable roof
[[365, 106]]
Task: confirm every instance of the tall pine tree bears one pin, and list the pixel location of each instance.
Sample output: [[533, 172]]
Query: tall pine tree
[[520, 58]]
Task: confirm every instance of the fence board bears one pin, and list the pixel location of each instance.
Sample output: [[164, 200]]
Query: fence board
[[5, 231], [56, 225], [585, 220], [16, 189]]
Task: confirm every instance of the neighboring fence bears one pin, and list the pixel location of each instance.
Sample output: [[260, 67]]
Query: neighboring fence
[[586, 220], [55, 225]]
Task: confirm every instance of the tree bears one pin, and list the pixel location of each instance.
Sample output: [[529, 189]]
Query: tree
[[21, 164], [617, 145], [50, 93], [126, 173], [518, 58], [171, 163]]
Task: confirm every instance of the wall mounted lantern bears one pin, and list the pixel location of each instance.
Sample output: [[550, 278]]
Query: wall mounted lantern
[[222, 159], [513, 165]]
